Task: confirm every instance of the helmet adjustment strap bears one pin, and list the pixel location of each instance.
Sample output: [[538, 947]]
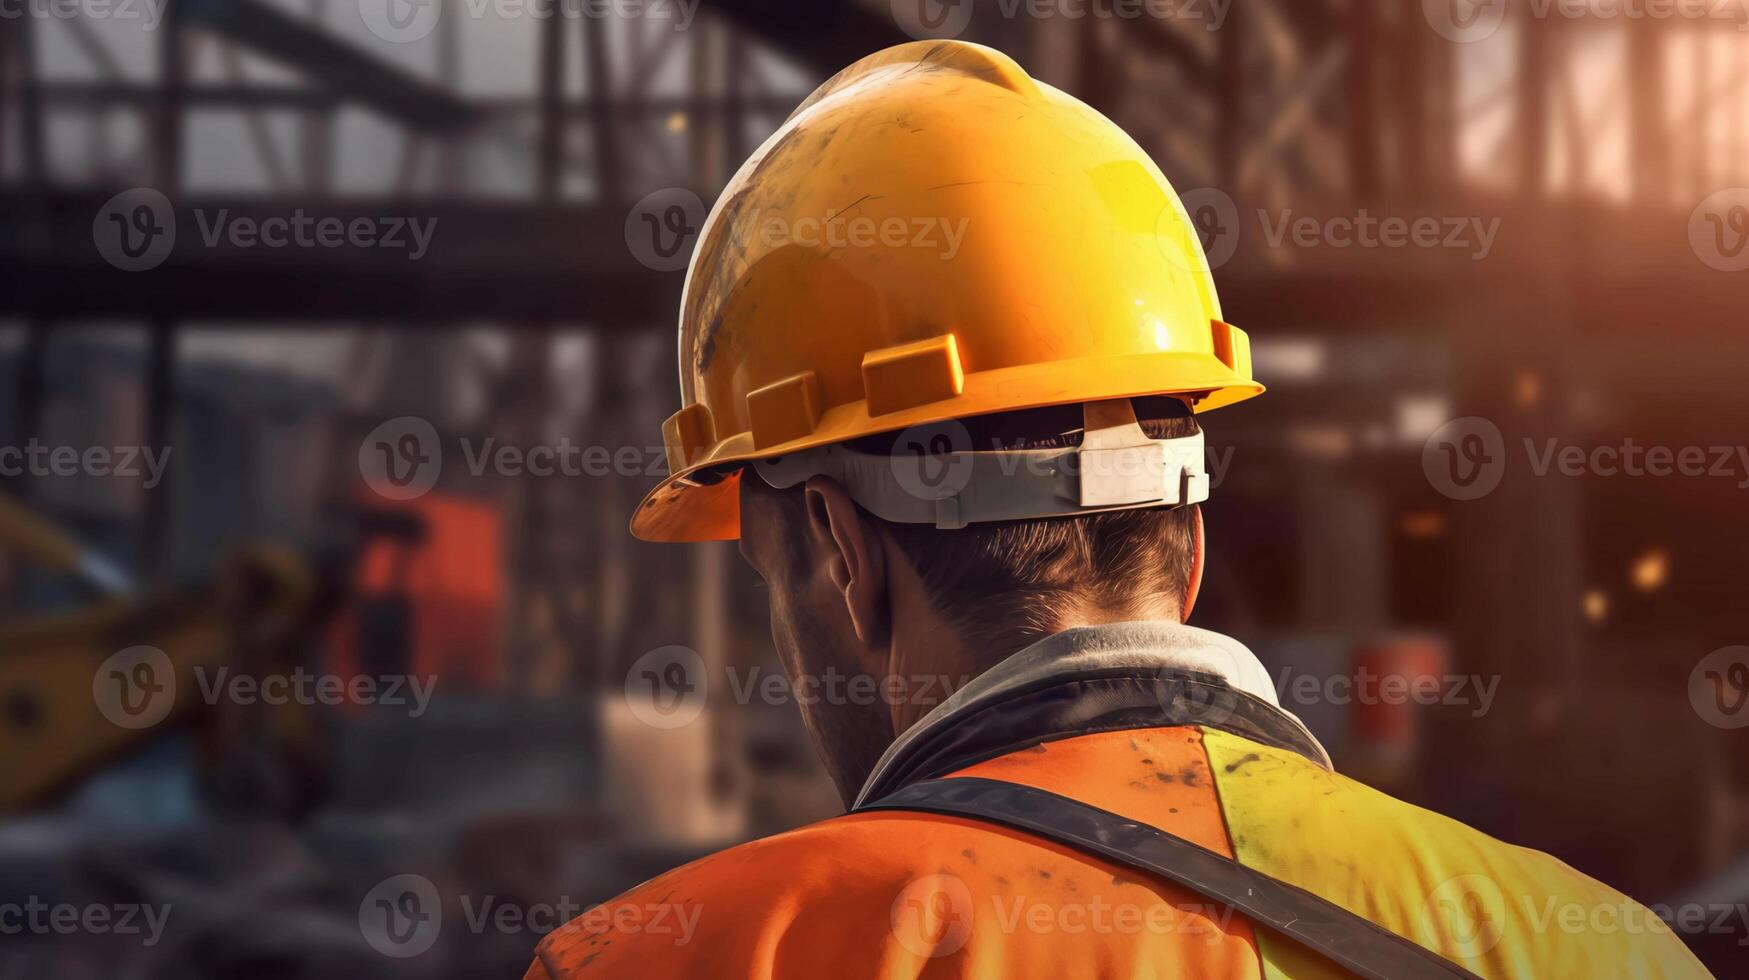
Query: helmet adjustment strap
[[1116, 467]]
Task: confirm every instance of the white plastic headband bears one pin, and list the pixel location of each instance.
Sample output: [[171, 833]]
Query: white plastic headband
[[1116, 467]]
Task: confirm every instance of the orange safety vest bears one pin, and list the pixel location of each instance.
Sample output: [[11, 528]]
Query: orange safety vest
[[910, 894]]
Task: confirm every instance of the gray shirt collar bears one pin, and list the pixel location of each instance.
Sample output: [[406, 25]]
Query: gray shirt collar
[[1150, 645]]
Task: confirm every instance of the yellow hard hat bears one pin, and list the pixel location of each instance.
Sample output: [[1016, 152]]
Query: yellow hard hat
[[931, 235]]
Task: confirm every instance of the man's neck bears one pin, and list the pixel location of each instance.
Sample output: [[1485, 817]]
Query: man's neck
[[931, 659]]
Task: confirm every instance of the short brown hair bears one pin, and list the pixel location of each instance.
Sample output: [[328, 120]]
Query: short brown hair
[[1015, 579]]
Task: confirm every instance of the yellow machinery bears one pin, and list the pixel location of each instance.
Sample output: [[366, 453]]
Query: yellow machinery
[[80, 689]]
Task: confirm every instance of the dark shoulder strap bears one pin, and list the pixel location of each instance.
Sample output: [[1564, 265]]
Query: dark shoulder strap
[[1340, 936]]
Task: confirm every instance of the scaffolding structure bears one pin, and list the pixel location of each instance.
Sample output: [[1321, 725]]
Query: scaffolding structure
[[1590, 141]]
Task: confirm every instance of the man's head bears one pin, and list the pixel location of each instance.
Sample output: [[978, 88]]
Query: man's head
[[914, 611]]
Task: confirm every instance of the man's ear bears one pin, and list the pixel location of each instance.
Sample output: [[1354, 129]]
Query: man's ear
[[1193, 585], [855, 560]]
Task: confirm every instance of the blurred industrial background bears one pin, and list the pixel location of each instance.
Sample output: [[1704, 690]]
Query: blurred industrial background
[[496, 199]]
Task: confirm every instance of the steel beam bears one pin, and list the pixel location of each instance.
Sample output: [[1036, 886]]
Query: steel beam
[[558, 262], [823, 36], [326, 60]]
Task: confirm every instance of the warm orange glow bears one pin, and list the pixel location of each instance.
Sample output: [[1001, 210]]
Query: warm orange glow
[[1651, 570], [1528, 389], [1596, 605], [1422, 524]]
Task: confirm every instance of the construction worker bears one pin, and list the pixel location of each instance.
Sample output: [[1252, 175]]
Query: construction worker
[[942, 345]]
